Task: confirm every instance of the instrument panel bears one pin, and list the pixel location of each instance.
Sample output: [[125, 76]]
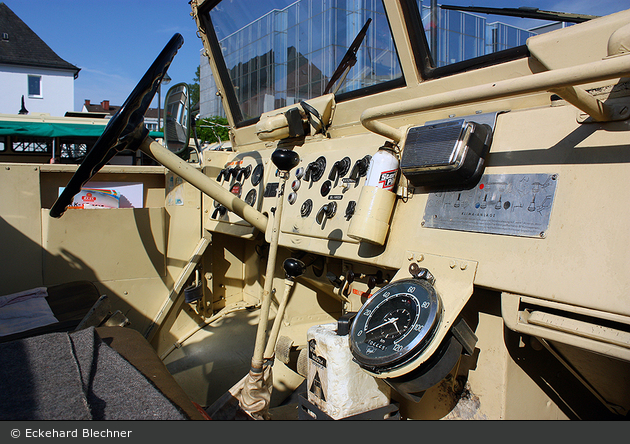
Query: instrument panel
[[320, 194]]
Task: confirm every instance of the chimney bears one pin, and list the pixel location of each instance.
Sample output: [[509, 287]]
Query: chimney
[[87, 103], [105, 105]]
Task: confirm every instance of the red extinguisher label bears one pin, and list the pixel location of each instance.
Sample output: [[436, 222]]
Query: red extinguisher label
[[388, 179]]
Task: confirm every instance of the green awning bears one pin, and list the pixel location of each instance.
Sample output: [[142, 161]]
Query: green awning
[[54, 129]]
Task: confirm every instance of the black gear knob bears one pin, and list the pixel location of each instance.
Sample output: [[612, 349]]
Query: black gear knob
[[294, 268], [285, 159]]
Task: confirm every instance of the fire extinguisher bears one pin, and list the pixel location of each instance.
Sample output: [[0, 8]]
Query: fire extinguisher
[[383, 169], [370, 222]]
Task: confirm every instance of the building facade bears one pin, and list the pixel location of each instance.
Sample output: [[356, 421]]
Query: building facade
[[31, 70], [269, 80]]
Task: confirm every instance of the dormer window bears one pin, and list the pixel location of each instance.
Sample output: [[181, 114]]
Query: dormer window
[[5, 36]]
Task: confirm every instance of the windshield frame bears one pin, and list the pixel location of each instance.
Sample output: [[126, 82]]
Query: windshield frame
[[422, 54], [234, 112]]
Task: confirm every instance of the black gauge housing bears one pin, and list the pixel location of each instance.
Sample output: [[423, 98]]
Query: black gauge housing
[[395, 325]]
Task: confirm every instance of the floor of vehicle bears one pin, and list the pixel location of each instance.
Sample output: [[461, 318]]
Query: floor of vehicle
[[219, 355]]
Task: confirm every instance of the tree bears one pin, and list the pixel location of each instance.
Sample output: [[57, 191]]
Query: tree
[[210, 128]]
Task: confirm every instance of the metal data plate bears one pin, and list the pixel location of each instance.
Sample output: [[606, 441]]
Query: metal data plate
[[510, 204]]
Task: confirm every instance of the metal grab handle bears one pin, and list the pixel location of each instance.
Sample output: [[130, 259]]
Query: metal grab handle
[[549, 80], [205, 184]]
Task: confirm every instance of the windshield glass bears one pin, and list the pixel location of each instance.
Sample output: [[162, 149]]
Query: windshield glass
[[279, 52], [457, 32]]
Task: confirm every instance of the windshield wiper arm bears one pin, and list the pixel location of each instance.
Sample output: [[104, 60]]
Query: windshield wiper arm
[[525, 12], [349, 59]]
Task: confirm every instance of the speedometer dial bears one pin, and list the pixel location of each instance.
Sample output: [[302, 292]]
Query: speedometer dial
[[395, 325]]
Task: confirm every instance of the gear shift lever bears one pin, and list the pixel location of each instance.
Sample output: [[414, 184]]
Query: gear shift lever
[[293, 268]]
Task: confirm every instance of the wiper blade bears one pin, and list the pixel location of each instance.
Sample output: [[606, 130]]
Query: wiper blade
[[349, 59], [525, 12]]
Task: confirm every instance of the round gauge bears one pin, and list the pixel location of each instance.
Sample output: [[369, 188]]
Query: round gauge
[[395, 325], [325, 189], [257, 174], [236, 189], [250, 198]]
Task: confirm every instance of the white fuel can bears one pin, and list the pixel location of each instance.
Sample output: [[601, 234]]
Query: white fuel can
[[335, 383]]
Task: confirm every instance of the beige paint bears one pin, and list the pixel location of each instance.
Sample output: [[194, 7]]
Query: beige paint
[[575, 275], [21, 259]]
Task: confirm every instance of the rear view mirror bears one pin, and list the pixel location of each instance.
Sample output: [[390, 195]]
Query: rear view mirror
[[177, 119]]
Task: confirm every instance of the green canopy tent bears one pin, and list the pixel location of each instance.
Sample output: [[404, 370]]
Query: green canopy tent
[[56, 129]]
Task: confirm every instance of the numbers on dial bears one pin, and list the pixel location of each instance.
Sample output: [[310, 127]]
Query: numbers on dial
[[395, 324], [390, 321]]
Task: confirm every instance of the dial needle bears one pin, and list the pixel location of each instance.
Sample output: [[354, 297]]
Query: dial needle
[[389, 321]]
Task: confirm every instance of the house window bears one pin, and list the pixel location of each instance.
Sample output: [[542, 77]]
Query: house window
[[35, 86]]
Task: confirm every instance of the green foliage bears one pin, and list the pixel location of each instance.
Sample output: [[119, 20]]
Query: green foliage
[[210, 128]]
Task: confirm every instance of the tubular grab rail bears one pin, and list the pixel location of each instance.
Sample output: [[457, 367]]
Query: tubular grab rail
[[205, 184], [555, 80]]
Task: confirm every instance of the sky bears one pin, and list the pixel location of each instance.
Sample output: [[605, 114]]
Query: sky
[[115, 41]]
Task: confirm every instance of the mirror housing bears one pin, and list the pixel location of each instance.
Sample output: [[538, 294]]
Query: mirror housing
[[177, 119]]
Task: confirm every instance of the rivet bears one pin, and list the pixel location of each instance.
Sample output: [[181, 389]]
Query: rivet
[[453, 264], [420, 257]]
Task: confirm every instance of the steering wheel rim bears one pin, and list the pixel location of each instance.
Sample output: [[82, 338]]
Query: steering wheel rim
[[125, 130]]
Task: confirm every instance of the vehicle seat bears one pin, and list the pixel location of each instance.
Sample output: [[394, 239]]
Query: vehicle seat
[[70, 304], [95, 373], [132, 346]]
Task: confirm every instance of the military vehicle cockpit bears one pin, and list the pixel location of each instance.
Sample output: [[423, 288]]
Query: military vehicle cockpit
[[421, 216]]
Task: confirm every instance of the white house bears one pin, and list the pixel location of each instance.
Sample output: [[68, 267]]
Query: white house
[[29, 68]]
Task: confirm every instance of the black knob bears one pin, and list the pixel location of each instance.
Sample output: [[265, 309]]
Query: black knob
[[219, 211], [294, 268], [350, 276], [285, 159], [371, 282]]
